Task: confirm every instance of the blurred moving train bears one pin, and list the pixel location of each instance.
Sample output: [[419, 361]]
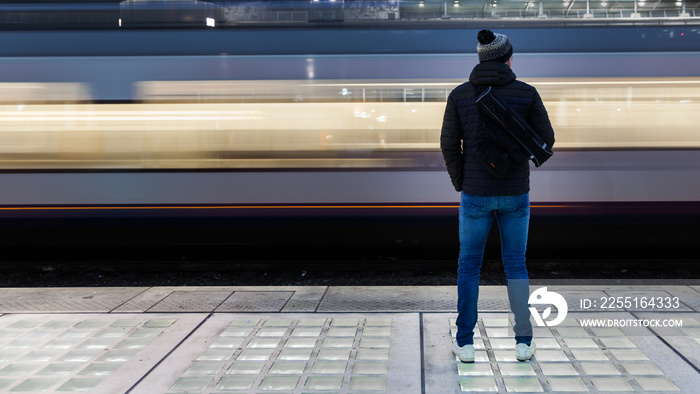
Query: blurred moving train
[[330, 136]]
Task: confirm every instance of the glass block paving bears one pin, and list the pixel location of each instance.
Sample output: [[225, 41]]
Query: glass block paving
[[568, 359], [238, 347], [334, 353], [84, 353]]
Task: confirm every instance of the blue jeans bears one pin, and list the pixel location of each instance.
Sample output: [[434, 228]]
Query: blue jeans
[[476, 215]]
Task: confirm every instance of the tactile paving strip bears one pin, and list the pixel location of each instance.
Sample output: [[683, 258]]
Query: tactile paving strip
[[79, 353], [226, 299], [403, 299], [191, 301], [256, 301], [664, 299], [312, 353], [65, 300], [605, 298]]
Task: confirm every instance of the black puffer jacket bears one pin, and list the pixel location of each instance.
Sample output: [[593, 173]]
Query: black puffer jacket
[[461, 124]]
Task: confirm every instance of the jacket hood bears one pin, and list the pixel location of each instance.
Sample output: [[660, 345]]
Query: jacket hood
[[492, 74]]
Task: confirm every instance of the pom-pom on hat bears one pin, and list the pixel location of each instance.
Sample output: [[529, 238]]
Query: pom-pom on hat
[[493, 47]]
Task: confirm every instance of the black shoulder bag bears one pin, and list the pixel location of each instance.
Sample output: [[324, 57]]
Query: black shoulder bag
[[512, 142]]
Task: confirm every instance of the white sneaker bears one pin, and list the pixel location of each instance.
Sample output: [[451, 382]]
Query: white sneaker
[[464, 353], [524, 352]]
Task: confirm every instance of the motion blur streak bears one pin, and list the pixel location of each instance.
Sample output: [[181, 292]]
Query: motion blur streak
[[319, 124]]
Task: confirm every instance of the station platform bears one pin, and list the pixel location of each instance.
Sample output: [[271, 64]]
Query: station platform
[[327, 339]]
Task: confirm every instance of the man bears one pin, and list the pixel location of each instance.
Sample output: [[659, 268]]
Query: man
[[483, 197]]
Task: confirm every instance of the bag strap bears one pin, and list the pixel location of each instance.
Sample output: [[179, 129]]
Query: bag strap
[[516, 127]]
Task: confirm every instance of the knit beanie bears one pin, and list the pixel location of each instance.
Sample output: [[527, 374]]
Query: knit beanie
[[493, 47]]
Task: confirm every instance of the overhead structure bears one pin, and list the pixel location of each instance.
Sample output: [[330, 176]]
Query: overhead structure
[[169, 13]]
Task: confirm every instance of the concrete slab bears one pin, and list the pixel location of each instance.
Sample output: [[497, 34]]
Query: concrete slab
[[684, 339], [679, 376], [687, 296]]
